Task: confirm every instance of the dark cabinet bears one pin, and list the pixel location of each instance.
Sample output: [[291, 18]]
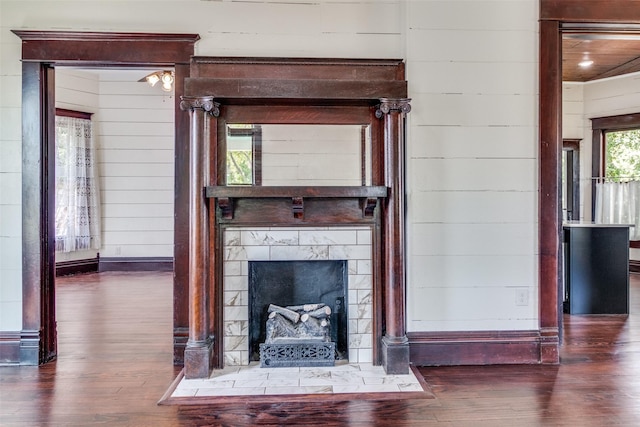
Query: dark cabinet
[[596, 269]]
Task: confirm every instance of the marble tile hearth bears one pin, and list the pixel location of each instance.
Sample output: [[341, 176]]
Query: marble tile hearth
[[253, 380]]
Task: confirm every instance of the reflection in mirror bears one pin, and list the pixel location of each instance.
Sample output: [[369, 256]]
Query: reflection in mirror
[[298, 155], [241, 140]]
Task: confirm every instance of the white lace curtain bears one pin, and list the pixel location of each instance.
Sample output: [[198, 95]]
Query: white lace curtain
[[619, 203], [77, 197]]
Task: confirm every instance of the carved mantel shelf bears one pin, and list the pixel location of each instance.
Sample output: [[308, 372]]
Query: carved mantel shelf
[[225, 195]]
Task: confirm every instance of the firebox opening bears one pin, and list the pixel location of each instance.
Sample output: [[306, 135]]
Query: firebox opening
[[291, 283]]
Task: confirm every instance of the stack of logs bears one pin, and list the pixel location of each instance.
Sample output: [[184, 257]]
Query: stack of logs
[[298, 322]]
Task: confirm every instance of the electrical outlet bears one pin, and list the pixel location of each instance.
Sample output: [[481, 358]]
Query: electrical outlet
[[522, 297]]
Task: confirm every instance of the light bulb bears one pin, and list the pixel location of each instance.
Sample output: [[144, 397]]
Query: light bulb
[[152, 79], [167, 81]]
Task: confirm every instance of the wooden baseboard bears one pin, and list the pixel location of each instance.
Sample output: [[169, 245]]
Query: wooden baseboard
[[66, 268], [634, 267], [474, 348], [9, 348], [136, 264], [180, 338]]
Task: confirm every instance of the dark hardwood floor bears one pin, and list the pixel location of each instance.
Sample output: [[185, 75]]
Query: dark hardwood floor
[[115, 346]]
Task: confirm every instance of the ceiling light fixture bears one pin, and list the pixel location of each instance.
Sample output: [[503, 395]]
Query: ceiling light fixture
[[166, 77], [586, 63]]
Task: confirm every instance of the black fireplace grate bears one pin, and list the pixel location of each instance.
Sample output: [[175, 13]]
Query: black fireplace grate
[[297, 354]]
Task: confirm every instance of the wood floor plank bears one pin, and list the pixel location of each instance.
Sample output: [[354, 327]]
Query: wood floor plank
[[115, 363]]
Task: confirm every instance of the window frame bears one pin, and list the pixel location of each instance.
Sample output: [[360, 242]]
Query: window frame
[[600, 126]]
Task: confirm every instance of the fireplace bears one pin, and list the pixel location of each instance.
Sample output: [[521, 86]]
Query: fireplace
[[298, 283], [340, 251], [366, 95]]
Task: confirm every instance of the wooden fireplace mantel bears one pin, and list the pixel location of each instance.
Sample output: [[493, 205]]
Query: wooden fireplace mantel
[[306, 91], [367, 196]]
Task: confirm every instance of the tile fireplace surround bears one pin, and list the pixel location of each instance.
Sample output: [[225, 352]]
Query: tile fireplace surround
[[242, 245]]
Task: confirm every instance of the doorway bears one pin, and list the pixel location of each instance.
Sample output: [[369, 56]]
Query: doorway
[[44, 51], [611, 17]]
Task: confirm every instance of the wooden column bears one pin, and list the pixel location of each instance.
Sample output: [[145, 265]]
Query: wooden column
[[395, 345], [198, 356], [550, 226]]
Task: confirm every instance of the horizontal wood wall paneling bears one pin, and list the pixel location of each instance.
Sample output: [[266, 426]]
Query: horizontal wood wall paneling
[[634, 266], [128, 182], [140, 142], [474, 348], [150, 210]]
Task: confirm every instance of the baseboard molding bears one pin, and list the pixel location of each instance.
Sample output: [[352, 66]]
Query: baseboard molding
[[9, 347], [474, 348], [634, 266], [136, 264], [180, 338], [19, 347], [66, 268]]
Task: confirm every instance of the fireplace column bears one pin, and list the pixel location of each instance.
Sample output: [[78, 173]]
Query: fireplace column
[[198, 355], [395, 345]]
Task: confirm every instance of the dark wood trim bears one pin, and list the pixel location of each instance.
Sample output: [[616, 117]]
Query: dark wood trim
[[62, 112], [135, 264], [160, 49], [634, 266], [248, 90], [572, 149], [42, 50], [180, 223], [80, 266], [619, 122], [592, 11], [554, 17], [9, 348], [310, 192], [549, 212], [634, 244], [475, 348]]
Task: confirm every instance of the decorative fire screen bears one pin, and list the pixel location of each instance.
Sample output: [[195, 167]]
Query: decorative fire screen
[[298, 336]]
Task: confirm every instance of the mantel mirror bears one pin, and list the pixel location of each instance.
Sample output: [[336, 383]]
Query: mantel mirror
[[298, 154]]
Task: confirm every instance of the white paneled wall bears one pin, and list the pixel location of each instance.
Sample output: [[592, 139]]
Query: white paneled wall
[[472, 165], [136, 159], [10, 180], [472, 139]]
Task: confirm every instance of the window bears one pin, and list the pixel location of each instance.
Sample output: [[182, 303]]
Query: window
[[622, 155], [77, 207], [616, 171]]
